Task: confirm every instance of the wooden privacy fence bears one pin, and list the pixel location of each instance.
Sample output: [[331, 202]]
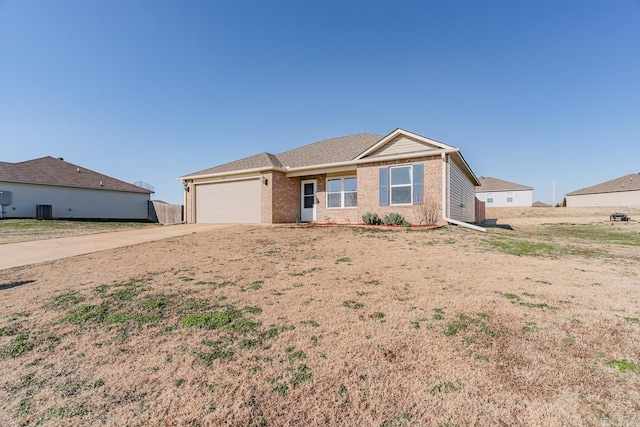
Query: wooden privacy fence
[[165, 213], [480, 211]]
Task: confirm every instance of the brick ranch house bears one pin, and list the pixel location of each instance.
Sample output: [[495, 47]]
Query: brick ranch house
[[337, 181]]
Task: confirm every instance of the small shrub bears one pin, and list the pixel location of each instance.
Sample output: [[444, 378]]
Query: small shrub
[[394, 219], [371, 219]]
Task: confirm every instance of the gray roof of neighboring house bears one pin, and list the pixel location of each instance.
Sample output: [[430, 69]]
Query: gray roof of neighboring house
[[629, 182], [327, 151], [494, 184], [55, 171]]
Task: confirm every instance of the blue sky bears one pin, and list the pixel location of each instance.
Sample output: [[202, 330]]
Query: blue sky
[[531, 91]]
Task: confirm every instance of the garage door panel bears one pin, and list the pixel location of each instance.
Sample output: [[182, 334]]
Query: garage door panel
[[228, 202]]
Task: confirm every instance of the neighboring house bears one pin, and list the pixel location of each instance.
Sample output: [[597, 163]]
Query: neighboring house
[[498, 193], [337, 181], [623, 191], [52, 188]]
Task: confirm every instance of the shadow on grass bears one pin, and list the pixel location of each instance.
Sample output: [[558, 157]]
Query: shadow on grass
[[493, 223], [5, 286]]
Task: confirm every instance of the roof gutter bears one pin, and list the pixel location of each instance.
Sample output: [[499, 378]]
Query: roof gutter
[[445, 160]]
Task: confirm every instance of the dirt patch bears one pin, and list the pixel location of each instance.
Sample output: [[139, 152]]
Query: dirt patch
[[538, 325]]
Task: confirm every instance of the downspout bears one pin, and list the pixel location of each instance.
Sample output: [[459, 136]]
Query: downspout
[[444, 200]]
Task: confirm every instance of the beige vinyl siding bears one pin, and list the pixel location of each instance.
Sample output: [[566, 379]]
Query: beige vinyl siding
[[401, 145], [70, 202], [232, 202], [619, 198], [461, 195]]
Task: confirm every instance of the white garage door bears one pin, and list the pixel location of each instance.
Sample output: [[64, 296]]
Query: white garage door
[[228, 202]]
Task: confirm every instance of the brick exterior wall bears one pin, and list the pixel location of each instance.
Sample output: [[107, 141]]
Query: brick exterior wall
[[369, 189], [334, 215], [280, 199]]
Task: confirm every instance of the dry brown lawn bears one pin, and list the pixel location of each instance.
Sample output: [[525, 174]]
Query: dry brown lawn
[[259, 326]]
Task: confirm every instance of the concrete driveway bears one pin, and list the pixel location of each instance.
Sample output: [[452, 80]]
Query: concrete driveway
[[25, 253]]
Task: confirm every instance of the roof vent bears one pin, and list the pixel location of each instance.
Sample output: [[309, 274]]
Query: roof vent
[[101, 184], [60, 158], [78, 169]]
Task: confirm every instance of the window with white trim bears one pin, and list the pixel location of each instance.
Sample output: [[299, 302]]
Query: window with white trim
[[509, 196], [401, 183], [342, 193], [489, 197]]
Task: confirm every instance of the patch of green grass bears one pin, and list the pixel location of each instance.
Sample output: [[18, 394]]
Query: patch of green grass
[[86, 313], [343, 259], [296, 355], [378, 315], [632, 320], [256, 285], [115, 318], [214, 320], [312, 323], [9, 331], [624, 365], [145, 318], [353, 304], [179, 382], [397, 420], [18, 346], [76, 410], [64, 301], [23, 408], [454, 328], [530, 328], [445, 387], [523, 248], [252, 310], [541, 306], [281, 389], [127, 291], [71, 388], [243, 326], [258, 422], [302, 374], [154, 303], [218, 351], [511, 296], [372, 282]]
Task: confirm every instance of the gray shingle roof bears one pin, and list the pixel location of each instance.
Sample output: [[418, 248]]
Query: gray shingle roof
[[494, 184], [629, 182], [53, 171], [262, 160], [327, 151]]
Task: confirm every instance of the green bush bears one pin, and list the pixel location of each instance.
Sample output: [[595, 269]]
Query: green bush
[[394, 219], [371, 219]]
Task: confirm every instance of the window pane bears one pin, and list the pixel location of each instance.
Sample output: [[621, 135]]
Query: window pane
[[401, 175], [308, 189], [350, 184], [334, 185], [400, 195], [308, 202], [350, 200], [334, 200]]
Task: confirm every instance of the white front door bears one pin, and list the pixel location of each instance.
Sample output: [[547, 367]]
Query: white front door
[[308, 198]]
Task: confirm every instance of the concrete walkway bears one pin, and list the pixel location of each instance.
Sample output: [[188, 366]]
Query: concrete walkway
[[25, 253]]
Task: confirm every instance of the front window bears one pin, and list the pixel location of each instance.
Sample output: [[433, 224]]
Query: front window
[[401, 184], [342, 192], [489, 197], [509, 196]]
